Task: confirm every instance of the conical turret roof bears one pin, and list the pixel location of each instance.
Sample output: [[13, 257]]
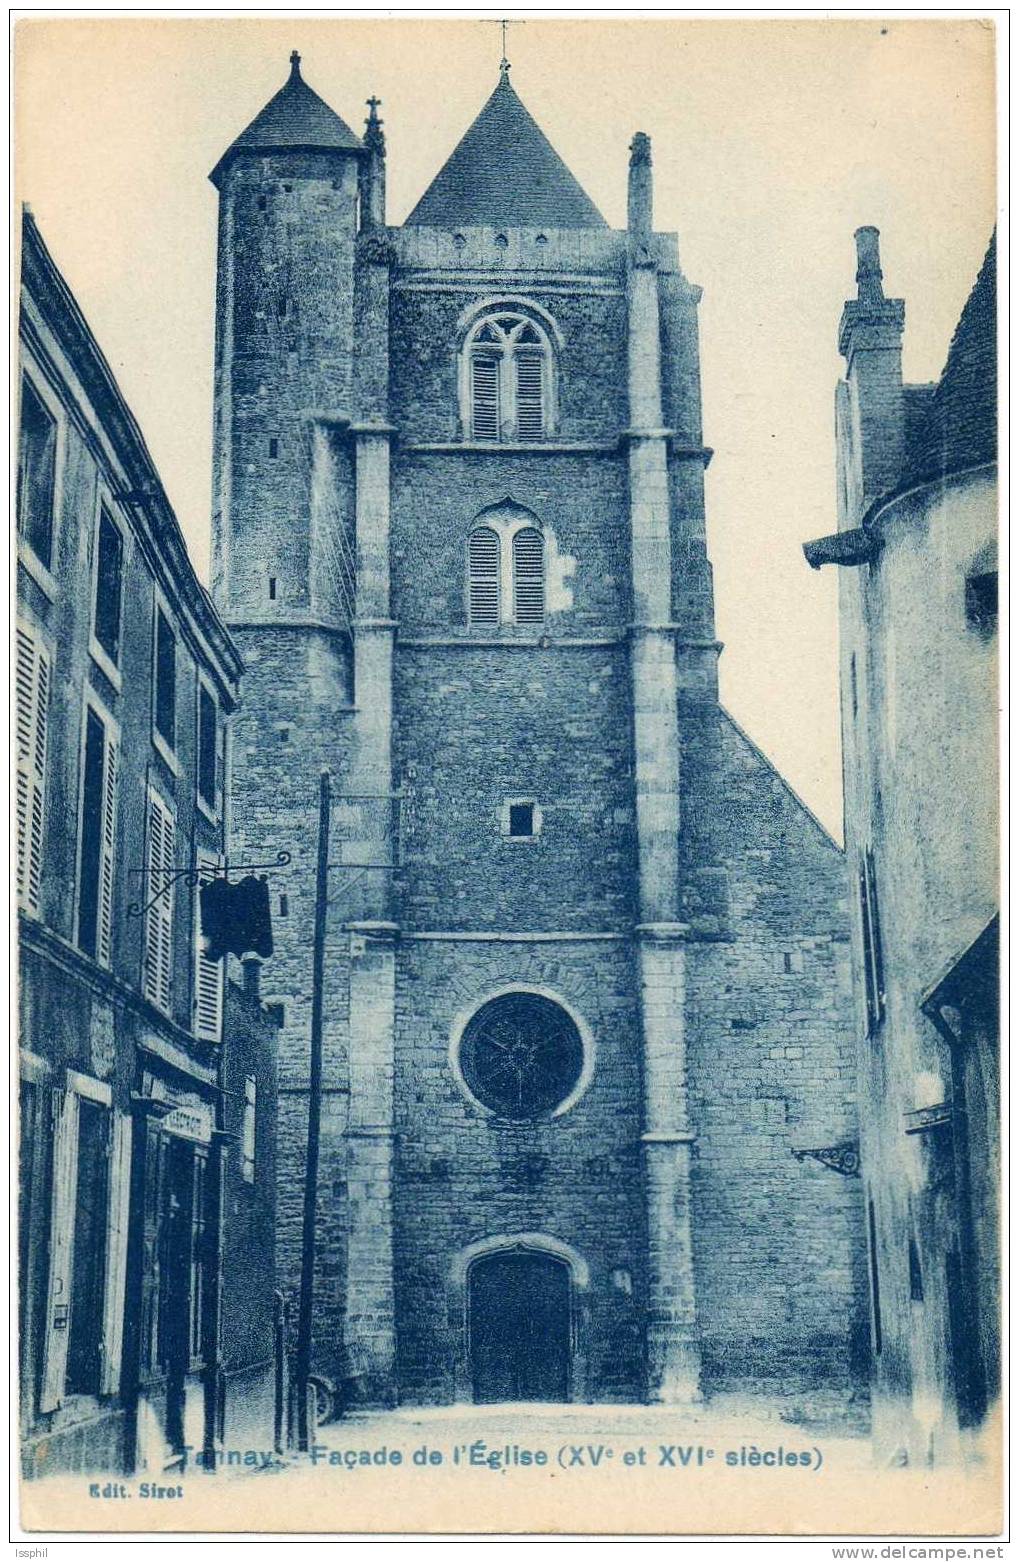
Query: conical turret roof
[[505, 173], [295, 119]]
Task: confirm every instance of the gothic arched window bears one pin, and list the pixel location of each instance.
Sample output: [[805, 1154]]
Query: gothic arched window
[[506, 568], [508, 385]]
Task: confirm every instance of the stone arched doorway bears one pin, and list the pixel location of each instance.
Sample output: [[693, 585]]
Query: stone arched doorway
[[521, 1314]]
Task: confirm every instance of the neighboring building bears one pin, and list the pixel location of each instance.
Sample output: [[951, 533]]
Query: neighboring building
[[917, 540], [253, 1394], [587, 965], [125, 677]]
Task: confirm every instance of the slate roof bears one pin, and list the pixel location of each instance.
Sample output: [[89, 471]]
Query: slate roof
[[296, 118], [505, 173], [961, 426]]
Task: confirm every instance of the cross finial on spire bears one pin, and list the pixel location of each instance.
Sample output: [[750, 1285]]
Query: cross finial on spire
[[504, 64], [295, 63]]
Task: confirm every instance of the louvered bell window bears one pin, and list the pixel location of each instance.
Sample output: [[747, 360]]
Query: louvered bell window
[[528, 577], [529, 364], [484, 396], [483, 550], [509, 386]]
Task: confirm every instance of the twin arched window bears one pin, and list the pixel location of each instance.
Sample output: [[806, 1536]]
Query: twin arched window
[[509, 389], [506, 572]]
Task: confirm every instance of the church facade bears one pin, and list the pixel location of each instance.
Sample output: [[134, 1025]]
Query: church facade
[[586, 994]]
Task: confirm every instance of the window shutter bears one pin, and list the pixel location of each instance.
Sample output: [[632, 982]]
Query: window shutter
[[32, 688], [57, 1322], [159, 920], [116, 1253], [483, 576], [528, 577], [208, 975], [484, 397], [530, 396], [109, 825]]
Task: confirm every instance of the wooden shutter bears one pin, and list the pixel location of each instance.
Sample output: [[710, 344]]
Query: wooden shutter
[[483, 576], [104, 929], [64, 1189], [484, 396], [118, 1209], [530, 395], [208, 975], [528, 576], [32, 688], [159, 919]]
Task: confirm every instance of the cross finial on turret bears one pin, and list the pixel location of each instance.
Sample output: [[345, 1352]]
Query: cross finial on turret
[[374, 138], [295, 63]]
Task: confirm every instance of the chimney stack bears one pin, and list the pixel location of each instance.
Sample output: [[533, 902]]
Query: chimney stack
[[870, 340]]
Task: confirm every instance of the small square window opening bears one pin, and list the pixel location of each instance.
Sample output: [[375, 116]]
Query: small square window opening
[[521, 820]]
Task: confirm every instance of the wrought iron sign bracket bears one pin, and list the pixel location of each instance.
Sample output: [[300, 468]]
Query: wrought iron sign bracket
[[842, 1158], [193, 876]]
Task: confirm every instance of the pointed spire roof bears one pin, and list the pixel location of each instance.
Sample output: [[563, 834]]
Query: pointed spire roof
[[295, 119], [505, 173]]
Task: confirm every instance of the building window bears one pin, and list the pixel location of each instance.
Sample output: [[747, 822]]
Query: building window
[[166, 680], [248, 1132], [506, 570], [109, 586], [37, 470], [507, 380], [873, 959], [97, 836], [982, 602], [521, 1056], [520, 819], [85, 1325], [208, 973], [32, 689], [158, 969], [208, 746]]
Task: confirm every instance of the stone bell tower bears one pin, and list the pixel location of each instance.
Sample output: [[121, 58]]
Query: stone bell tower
[[585, 947]]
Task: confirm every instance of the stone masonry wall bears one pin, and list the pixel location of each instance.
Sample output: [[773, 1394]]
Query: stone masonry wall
[[777, 1242], [462, 1177]]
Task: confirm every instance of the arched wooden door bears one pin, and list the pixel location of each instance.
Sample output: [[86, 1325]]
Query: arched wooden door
[[519, 1326]]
